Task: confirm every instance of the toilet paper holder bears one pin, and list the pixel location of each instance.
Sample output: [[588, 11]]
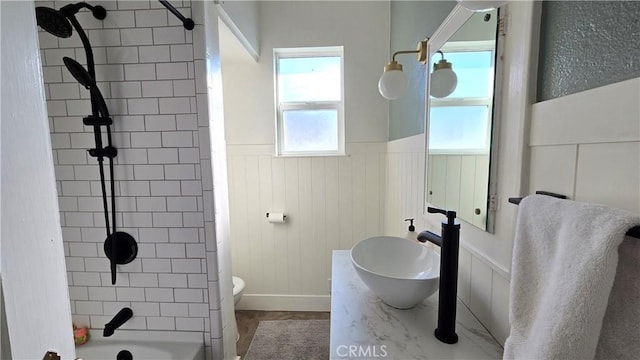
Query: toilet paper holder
[[283, 216]]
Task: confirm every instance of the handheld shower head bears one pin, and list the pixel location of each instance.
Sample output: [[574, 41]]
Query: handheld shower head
[[82, 76], [79, 73], [53, 22]]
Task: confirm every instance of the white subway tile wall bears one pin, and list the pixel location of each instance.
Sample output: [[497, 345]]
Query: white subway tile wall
[[145, 70]]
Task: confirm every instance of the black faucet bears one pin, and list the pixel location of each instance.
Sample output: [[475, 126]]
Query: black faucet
[[121, 317], [449, 244]]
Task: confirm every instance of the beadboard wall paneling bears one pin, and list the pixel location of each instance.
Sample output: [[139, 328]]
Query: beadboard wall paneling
[[330, 203], [460, 182]]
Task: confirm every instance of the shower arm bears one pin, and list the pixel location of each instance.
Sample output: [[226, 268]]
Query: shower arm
[[186, 22]]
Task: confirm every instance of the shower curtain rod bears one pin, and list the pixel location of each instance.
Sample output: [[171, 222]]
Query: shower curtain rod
[[186, 22], [634, 232]]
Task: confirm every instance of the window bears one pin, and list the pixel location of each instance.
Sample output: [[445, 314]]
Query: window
[[309, 101], [461, 122]]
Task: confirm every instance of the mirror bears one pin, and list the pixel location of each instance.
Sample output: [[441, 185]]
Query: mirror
[[459, 125]]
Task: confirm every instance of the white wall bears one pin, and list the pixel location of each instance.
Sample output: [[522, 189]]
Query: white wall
[[331, 202], [32, 263], [361, 27], [218, 238]]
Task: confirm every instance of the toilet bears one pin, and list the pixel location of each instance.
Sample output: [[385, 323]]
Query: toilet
[[238, 290]]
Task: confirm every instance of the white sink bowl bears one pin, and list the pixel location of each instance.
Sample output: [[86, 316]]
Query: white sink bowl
[[399, 271]]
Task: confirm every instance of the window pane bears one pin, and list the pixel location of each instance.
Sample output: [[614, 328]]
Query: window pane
[[310, 130], [474, 71], [309, 79], [459, 128]]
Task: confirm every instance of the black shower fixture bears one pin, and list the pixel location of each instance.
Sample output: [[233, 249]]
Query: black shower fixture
[[71, 9], [60, 23], [101, 118], [120, 247], [53, 22], [186, 22]]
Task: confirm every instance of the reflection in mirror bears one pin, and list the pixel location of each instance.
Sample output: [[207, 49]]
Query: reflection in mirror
[[459, 125]]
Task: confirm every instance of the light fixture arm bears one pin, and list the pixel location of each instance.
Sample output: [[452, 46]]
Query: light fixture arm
[[393, 58], [442, 64], [421, 51]]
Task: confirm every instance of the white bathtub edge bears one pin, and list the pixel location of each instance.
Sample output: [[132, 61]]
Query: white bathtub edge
[[149, 335]]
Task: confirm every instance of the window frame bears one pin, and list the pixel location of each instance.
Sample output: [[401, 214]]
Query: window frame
[[459, 47], [282, 106]]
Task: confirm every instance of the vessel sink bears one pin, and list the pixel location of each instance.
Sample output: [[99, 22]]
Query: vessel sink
[[399, 271]]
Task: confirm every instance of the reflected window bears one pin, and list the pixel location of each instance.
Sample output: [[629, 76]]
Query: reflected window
[[460, 123], [309, 101], [459, 129]]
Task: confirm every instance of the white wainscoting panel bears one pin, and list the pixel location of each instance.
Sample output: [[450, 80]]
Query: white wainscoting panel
[[330, 204], [460, 182], [405, 184], [605, 114], [587, 145]]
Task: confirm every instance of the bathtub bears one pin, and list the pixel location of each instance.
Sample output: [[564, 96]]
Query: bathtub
[[156, 345]]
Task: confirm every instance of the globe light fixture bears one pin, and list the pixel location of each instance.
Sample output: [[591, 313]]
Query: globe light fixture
[[443, 79], [393, 83]]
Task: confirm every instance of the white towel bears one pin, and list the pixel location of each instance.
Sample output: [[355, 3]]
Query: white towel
[[563, 268]]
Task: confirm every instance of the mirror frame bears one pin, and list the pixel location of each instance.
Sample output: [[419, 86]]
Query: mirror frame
[[451, 24]]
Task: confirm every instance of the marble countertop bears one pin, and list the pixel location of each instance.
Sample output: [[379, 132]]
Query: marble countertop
[[362, 326]]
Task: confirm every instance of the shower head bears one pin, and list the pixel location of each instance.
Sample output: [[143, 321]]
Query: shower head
[[79, 73], [56, 22], [53, 22], [82, 76]]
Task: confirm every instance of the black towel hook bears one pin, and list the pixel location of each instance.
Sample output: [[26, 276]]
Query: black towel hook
[[186, 22]]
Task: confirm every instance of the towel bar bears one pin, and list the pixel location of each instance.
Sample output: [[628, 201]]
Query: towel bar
[[633, 232]]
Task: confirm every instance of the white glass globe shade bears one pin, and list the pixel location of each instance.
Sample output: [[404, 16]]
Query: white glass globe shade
[[392, 84], [481, 5], [443, 83]]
